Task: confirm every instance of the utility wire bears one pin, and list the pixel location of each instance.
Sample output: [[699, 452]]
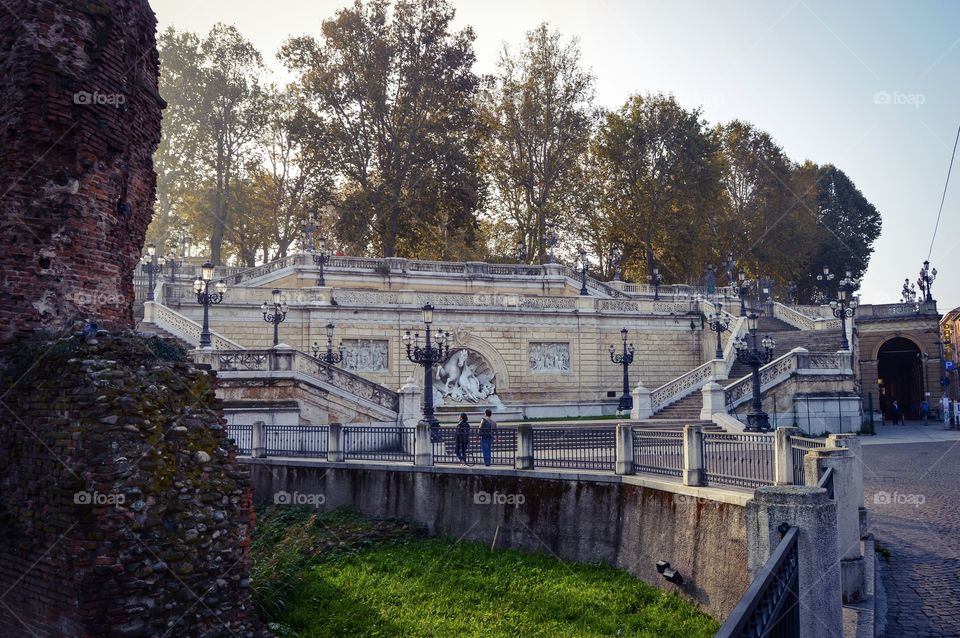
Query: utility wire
[[944, 196]]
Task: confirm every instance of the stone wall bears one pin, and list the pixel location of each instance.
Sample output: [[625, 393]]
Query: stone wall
[[624, 521], [79, 121], [123, 511]]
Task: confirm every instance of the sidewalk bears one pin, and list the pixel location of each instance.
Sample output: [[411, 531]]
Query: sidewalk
[[912, 432]]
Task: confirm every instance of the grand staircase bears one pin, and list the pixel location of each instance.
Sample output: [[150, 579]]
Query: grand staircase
[[788, 338]]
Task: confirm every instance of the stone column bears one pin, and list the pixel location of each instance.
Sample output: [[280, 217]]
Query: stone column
[[642, 405], [853, 443], [411, 399], [422, 445], [624, 449], [783, 455], [281, 357], [258, 440], [693, 455], [335, 449], [815, 516], [816, 463], [524, 454], [714, 400]]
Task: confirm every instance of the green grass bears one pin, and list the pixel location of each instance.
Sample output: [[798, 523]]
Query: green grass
[[339, 575]]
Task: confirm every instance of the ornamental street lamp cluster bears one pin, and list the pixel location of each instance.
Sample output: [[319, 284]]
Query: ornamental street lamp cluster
[[584, 266], [925, 281], [320, 258], [521, 252], [743, 289], [755, 354], [908, 294], [275, 312], [625, 358], [201, 286], [656, 279], [329, 357], [615, 260], [550, 240], [824, 279], [152, 265], [845, 305], [719, 324], [320, 251], [433, 351]]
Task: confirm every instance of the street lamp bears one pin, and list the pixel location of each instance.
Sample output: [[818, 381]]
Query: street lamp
[[201, 286], [275, 313], [710, 279], [624, 359], [925, 282], [719, 324], [309, 229], [550, 239], [584, 264], [320, 258], [615, 260], [656, 279], [433, 351], [909, 292], [755, 355], [151, 266], [845, 305], [743, 289], [329, 357], [521, 252], [824, 279], [729, 267]]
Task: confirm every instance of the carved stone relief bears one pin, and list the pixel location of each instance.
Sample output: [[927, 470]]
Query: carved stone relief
[[365, 355], [549, 358]]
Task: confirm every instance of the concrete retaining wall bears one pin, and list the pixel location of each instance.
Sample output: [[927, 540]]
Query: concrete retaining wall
[[624, 521]]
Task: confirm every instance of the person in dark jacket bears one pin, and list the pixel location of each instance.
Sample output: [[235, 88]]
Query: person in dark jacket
[[488, 430], [462, 440]]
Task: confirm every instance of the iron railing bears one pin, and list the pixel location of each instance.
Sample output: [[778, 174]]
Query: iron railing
[[799, 446], [658, 452], [295, 440], [771, 605], [743, 460], [580, 448], [378, 443], [503, 450], [242, 436]]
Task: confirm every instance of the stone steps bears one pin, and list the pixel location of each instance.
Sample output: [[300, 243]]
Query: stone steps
[[151, 328]]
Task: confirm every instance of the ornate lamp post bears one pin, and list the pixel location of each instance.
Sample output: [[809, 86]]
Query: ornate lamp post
[[427, 356], [710, 279], [845, 305], [719, 324], [824, 279], [925, 281], [656, 279], [615, 261], [751, 354], [584, 264], [329, 357], [624, 359], [152, 266], [729, 267], [908, 293], [320, 258], [275, 313], [521, 252], [550, 239], [791, 293], [743, 289], [309, 229], [201, 286]]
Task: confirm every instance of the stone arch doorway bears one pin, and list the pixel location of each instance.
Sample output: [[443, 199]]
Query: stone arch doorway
[[900, 373]]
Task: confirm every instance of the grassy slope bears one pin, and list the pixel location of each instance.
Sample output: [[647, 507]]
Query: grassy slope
[[363, 578]]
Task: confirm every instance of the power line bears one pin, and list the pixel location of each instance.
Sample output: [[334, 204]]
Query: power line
[[944, 196]]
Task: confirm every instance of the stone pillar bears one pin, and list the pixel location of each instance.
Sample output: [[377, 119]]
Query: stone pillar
[[815, 516], [524, 458], [853, 443], [714, 400], [642, 406], [816, 463], [783, 455], [258, 440], [335, 449], [422, 445], [624, 449], [693, 455], [410, 401], [281, 357]]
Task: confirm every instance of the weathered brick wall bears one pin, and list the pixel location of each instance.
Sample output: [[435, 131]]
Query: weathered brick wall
[[123, 511], [79, 121]]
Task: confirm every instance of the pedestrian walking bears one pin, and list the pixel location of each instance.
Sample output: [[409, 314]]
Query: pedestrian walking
[[925, 410], [488, 431], [462, 441], [895, 408]]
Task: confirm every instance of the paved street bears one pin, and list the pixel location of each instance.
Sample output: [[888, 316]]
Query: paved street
[[912, 492]]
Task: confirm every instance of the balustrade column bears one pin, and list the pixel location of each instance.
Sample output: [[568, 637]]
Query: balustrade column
[[624, 449], [422, 445], [693, 455], [335, 447], [258, 439], [524, 453], [783, 455]]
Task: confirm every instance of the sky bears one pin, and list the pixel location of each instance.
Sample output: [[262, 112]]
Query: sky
[[871, 87]]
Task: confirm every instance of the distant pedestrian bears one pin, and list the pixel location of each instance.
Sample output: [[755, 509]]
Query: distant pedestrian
[[462, 440], [895, 409], [488, 431], [945, 410], [925, 410]]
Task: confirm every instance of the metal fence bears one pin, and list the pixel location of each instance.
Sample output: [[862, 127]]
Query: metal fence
[[242, 435], [295, 440], [658, 452], [581, 449], [503, 450], [771, 605], [799, 446], [743, 460], [378, 443]]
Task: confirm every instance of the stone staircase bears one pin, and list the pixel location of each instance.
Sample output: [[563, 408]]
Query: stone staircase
[[157, 330], [788, 338], [686, 409]]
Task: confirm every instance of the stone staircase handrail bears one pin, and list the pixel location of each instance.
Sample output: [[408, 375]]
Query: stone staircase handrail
[[182, 327], [797, 319], [686, 384], [782, 368]]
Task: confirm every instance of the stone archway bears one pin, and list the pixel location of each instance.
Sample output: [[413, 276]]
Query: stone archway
[[900, 376]]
